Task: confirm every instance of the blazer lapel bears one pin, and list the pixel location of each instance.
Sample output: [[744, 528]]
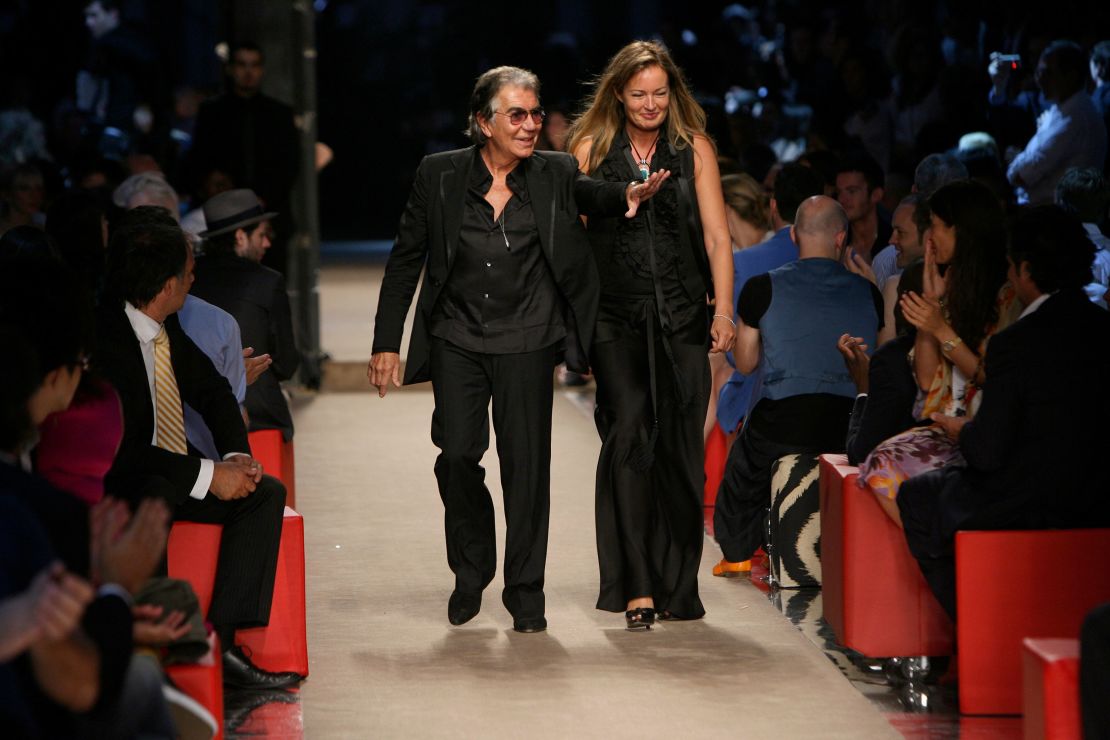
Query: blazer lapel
[[452, 196], [542, 195]]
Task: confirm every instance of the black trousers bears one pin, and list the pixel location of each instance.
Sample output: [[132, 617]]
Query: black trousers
[[1094, 673], [247, 562], [744, 497], [520, 387], [931, 541], [649, 519]]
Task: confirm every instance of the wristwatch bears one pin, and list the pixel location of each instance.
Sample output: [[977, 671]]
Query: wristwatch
[[951, 344]]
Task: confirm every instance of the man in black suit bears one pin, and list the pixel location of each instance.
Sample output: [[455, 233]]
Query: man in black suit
[[1042, 423], [510, 287], [149, 273], [231, 275]]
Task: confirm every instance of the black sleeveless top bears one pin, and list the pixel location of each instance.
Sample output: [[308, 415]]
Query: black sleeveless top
[[621, 244]]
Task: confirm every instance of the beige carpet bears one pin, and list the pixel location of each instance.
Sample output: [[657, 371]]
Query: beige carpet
[[385, 663]]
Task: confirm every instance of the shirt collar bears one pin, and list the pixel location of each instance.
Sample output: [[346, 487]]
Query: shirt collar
[[1035, 304], [481, 180], [145, 328]]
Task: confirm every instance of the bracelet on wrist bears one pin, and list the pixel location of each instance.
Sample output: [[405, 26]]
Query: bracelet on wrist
[[947, 346], [726, 318]]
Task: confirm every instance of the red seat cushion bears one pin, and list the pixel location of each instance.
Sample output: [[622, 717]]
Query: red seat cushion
[[203, 681], [1050, 680], [280, 646], [1012, 585], [276, 455], [874, 596]]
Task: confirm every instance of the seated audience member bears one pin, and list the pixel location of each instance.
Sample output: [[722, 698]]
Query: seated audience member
[[794, 184], [1086, 193], [1100, 96], [231, 275], [885, 386], [1070, 134], [806, 395], [955, 316], [22, 194], [1094, 671], [934, 172], [1042, 422], [748, 212], [147, 189], [27, 241], [154, 366], [213, 330], [859, 189], [107, 545], [749, 223], [907, 244], [77, 222]]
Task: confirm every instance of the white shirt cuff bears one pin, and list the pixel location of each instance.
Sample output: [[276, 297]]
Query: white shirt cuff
[[204, 480], [860, 395]]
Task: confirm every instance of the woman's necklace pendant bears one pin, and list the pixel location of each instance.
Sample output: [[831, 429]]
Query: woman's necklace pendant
[[645, 168]]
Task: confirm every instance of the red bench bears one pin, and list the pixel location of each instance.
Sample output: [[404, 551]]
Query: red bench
[[1050, 682], [282, 645], [203, 682], [276, 455], [875, 599], [1015, 584]]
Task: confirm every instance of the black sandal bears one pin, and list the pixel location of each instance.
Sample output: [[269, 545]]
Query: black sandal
[[639, 619]]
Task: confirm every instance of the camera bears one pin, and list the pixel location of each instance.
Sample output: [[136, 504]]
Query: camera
[[1013, 60]]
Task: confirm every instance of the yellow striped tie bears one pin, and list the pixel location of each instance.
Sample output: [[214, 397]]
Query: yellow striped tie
[[169, 423]]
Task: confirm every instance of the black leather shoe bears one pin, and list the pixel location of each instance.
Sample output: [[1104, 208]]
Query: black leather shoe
[[241, 673], [462, 607], [530, 624]]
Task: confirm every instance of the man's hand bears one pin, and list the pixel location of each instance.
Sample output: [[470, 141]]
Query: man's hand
[[857, 264], [254, 465], [150, 632], [126, 548], [950, 424], [234, 478], [255, 366], [55, 602], [637, 192], [999, 72], [723, 333], [856, 360], [383, 368]]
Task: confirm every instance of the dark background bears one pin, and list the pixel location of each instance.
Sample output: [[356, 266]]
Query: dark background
[[393, 76]]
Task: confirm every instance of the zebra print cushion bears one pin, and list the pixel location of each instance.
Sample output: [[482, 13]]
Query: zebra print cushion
[[794, 527]]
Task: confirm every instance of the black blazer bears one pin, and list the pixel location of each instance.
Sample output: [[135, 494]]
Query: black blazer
[[887, 409], [1035, 448], [119, 360], [255, 295], [428, 235]]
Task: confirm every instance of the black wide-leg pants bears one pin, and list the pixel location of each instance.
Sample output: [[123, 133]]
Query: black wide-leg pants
[[520, 387], [649, 519]]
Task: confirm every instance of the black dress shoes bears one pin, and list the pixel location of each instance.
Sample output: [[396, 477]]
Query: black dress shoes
[[530, 624], [241, 673], [462, 607]]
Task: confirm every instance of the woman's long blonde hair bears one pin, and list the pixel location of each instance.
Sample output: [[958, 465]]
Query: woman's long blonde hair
[[603, 117]]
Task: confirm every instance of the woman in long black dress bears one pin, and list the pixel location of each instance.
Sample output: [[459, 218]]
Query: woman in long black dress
[[654, 328]]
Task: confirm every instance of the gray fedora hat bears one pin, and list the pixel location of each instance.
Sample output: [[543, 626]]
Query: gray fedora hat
[[232, 210]]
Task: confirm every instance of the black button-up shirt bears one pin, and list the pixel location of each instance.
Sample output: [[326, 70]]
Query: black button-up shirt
[[500, 297]]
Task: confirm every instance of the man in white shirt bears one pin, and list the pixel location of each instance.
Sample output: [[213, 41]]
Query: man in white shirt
[[155, 367], [1069, 134]]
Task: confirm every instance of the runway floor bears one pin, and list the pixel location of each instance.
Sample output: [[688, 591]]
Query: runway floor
[[385, 663]]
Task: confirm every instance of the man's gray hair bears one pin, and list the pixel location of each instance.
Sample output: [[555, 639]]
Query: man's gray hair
[[936, 171], [151, 184], [483, 101]]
